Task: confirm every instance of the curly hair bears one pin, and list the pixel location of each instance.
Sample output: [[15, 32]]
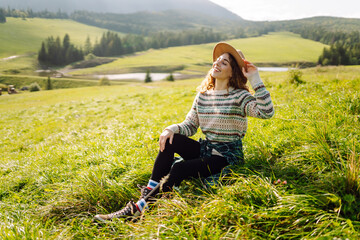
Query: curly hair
[[237, 81]]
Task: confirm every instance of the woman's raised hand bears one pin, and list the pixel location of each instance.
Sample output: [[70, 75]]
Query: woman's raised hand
[[249, 70], [163, 138]]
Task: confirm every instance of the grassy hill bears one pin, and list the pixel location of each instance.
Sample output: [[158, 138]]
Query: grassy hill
[[18, 37], [122, 6], [69, 154], [331, 24], [272, 49]]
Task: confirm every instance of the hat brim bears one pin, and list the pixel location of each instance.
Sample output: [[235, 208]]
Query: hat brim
[[223, 47]]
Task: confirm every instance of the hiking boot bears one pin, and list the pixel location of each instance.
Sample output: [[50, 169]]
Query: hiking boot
[[128, 212], [144, 191], [149, 194]]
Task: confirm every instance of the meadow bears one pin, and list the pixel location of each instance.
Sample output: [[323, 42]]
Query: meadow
[[68, 154], [22, 37], [279, 48], [274, 49]]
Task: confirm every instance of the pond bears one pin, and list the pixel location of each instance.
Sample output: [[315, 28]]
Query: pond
[[273, 69], [162, 76], [138, 76]]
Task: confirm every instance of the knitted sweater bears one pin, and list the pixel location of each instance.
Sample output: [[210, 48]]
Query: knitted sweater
[[222, 114]]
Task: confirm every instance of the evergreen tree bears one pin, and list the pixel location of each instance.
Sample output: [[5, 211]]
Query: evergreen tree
[[51, 50], [48, 84], [148, 77], [59, 56], [87, 46], [170, 78], [110, 45], [2, 15], [66, 42], [42, 53], [56, 53]]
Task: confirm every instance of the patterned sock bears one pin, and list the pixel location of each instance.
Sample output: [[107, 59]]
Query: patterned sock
[[141, 204], [152, 184]]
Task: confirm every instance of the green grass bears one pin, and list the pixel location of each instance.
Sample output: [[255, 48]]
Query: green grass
[[71, 153], [275, 48], [19, 37], [20, 81]]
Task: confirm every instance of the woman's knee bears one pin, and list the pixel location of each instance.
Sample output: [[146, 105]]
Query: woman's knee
[[177, 140], [176, 174], [178, 168]]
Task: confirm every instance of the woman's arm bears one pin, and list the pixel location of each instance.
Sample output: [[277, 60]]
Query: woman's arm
[[260, 105]]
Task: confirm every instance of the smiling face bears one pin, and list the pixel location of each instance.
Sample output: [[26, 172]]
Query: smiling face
[[221, 69]]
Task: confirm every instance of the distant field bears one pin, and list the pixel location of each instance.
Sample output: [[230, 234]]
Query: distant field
[[23, 38], [18, 37], [275, 48], [20, 81]]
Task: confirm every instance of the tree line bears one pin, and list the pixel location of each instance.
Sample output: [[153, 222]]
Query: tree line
[[56, 52], [111, 44], [344, 46], [29, 13]]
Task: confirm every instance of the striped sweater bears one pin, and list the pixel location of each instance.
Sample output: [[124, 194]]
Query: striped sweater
[[222, 114]]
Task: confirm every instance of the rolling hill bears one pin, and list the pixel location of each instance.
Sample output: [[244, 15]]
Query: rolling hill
[[122, 6], [18, 37], [280, 48]]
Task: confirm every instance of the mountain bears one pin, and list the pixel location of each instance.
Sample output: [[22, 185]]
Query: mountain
[[122, 6], [151, 22]]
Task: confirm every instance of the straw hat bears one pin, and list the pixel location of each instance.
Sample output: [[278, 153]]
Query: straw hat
[[222, 47]]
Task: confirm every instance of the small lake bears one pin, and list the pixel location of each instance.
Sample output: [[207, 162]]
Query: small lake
[[273, 69], [162, 76], [138, 76]]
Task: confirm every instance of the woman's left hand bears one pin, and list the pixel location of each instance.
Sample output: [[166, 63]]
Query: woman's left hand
[[249, 70]]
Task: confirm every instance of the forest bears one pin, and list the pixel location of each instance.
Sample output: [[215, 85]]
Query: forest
[[344, 46], [54, 52]]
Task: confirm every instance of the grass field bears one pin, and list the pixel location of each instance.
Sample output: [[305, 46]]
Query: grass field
[[71, 153], [274, 48], [21, 37], [20, 81]]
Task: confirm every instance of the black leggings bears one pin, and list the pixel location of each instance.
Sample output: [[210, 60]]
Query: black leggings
[[193, 166]]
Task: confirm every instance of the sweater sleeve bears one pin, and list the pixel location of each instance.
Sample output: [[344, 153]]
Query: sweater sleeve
[[260, 105], [191, 123]]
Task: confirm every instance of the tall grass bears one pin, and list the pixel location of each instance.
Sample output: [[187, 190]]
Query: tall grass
[[69, 154]]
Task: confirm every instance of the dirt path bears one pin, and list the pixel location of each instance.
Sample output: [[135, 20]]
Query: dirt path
[[11, 57]]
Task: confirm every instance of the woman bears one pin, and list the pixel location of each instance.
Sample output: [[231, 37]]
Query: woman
[[220, 109]]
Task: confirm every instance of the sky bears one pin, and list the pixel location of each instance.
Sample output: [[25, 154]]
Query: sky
[[272, 10]]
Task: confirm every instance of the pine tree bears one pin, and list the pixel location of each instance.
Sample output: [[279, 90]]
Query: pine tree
[[2, 16], [170, 78], [148, 77], [66, 42], [48, 84], [59, 56], [88, 47], [42, 53]]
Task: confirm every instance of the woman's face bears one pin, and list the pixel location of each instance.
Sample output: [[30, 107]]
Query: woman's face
[[221, 68]]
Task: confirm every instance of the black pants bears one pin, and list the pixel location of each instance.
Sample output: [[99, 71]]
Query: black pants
[[193, 166]]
